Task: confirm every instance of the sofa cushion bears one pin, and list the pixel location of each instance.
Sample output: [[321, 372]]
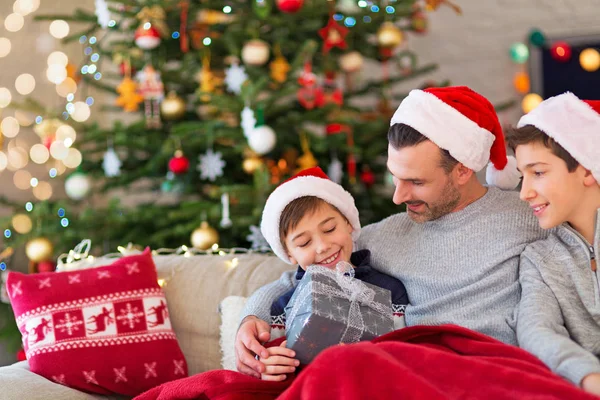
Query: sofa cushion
[[195, 286], [231, 309], [103, 330]]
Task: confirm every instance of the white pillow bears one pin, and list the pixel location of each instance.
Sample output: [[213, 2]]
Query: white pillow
[[231, 309]]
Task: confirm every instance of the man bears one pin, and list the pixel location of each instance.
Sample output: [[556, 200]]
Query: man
[[457, 247]]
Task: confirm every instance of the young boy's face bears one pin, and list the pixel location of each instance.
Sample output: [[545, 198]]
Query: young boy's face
[[550, 189], [323, 237]]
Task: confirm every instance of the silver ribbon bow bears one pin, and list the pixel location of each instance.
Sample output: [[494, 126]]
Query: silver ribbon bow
[[354, 290]]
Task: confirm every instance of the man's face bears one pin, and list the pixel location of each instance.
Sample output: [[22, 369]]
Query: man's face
[[428, 191], [553, 193]]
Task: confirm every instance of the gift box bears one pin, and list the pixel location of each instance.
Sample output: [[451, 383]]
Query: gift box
[[330, 307]]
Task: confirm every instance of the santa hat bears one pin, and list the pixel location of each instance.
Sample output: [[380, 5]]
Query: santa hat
[[309, 182], [464, 123], [572, 123]]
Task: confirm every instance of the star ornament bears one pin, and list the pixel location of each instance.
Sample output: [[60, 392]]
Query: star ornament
[[334, 35]]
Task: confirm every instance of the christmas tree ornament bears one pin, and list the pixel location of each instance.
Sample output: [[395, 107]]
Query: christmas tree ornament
[[367, 176], [537, 38], [255, 53], [207, 79], [211, 165], [519, 53], [432, 5], [333, 35], [418, 22], [172, 107], [45, 266], [39, 249], [330, 93], [147, 38], [171, 184], [262, 8], [256, 239], [225, 219], [262, 139], [179, 163], [521, 82], [77, 186], [289, 6], [335, 172], [248, 121], [102, 13], [351, 62], [73, 72], [306, 160], [561, 51], [111, 163], [407, 62], [152, 90], [309, 90], [389, 36], [251, 164], [279, 66], [235, 76], [204, 236], [184, 43], [129, 99]]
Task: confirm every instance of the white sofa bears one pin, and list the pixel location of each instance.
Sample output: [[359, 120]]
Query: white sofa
[[195, 287]]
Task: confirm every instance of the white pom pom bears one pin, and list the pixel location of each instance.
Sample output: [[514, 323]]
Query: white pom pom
[[507, 179]]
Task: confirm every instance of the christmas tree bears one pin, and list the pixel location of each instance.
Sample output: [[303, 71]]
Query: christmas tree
[[228, 98]]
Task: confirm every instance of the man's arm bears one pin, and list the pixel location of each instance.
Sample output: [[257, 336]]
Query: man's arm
[[259, 304], [541, 329]]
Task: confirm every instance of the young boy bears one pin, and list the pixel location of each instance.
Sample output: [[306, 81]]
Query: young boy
[[557, 146], [311, 220]]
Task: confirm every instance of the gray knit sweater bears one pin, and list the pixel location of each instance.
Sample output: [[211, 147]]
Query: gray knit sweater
[[559, 314], [460, 269]]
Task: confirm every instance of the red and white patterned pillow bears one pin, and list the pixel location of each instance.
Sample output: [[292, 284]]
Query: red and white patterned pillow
[[102, 330]]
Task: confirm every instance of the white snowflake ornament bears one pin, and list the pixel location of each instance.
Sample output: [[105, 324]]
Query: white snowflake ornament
[[248, 121], [235, 76], [211, 165], [111, 163], [102, 13], [257, 240], [335, 170]]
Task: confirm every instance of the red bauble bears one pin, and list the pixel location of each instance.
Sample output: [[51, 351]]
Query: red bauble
[[289, 6], [179, 164], [21, 356], [46, 266], [561, 51], [367, 177], [123, 69]]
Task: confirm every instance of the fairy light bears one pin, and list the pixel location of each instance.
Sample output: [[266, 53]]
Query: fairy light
[[5, 97], [59, 29], [227, 9], [207, 41], [7, 233], [29, 206], [5, 47], [362, 4], [175, 35], [14, 22]]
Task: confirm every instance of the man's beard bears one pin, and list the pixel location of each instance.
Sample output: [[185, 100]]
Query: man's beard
[[449, 199]]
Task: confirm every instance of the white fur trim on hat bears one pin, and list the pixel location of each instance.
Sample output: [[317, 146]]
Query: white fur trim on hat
[[571, 123], [301, 186], [447, 127], [507, 178]]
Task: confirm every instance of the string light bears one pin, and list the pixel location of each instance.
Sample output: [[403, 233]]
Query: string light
[[14, 22], [59, 29], [2, 266], [7, 233], [5, 97], [29, 206], [227, 9], [5, 47]]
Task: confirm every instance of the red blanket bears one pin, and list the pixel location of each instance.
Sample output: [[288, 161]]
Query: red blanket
[[421, 362]]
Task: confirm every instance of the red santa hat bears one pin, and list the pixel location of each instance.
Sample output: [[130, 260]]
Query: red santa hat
[[309, 182], [572, 123], [464, 123]]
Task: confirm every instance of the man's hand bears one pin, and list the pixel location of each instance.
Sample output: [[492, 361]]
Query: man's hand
[[279, 363], [252, 332], [591, 383]]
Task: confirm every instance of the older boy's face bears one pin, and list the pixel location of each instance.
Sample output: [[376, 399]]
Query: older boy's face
[[551, 190], [323, 237]]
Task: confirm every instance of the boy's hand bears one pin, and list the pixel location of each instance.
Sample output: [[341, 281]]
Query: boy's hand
[[279, 363], [591, 383], [251, 333]]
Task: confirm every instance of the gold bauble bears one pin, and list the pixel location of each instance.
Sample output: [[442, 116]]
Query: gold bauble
[[389, 35], [204, 236], [39, 249], [172, 107], [251, 164]]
